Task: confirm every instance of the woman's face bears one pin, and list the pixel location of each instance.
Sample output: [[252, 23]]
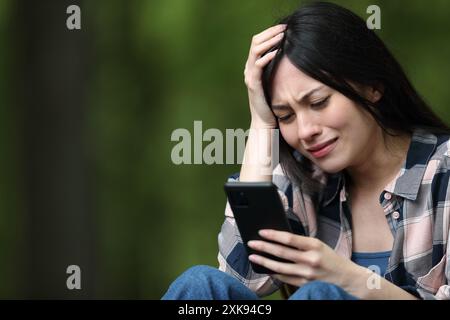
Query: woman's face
[[311, 114]]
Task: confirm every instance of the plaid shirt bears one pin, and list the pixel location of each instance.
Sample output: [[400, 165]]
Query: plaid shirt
[[417, 208]]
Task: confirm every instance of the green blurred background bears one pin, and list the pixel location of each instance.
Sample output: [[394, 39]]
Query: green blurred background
[[86, 117]]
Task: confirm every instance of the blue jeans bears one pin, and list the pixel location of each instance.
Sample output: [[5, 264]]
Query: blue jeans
[[208, 283]]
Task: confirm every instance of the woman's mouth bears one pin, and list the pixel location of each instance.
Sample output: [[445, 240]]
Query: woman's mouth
[[324, 150]]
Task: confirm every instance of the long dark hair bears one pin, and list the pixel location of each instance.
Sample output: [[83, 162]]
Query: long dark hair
[[334, 46]]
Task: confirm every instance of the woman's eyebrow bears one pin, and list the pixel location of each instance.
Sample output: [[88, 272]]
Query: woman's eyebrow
[[301, 99]]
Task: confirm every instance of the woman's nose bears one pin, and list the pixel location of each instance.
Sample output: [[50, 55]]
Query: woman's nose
[[307, 128]]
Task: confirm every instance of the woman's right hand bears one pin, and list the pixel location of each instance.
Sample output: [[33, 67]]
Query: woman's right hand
[[261, 114]]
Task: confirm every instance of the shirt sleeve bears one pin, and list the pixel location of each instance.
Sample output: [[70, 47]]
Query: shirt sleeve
[[232, 254], [440, 274], [435, 285], [443, 292]]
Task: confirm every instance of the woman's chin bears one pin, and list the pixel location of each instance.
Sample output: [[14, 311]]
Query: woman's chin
[[330, 167]]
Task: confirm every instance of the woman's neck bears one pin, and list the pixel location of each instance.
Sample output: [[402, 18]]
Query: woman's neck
[[380, 165]]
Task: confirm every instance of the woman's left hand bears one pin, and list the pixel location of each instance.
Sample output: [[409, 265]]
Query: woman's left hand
[[311, 259]]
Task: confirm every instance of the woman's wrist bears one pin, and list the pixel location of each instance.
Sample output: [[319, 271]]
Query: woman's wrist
[[258, 162], [347, 276], [365, 284], [259, 124], [359, 281]]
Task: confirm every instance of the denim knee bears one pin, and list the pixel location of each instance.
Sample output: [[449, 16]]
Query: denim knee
[[199, 275], [320, 290], [207, 283], [191, 284]]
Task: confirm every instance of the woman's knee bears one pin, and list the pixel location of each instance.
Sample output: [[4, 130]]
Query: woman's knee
[[194, 283], [198, 275], [205, 283]]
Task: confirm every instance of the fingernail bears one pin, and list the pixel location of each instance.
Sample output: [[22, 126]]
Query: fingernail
[[253, 257]]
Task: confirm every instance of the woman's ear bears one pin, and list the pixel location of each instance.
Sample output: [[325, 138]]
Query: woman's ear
[[371, 93], [375, 93]]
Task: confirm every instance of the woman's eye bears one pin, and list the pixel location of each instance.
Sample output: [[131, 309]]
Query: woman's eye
[[285, 118], [320, 103]]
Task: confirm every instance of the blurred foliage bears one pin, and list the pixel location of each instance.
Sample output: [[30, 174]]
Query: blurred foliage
[[158, 66]]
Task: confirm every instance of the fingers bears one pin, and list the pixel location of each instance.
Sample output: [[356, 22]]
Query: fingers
[[275, 249], [282, 267], [265, 46], [268, 34], [307, 258], [291, 240], [275, 266], [261, 62], [258, 57], [264, 41]]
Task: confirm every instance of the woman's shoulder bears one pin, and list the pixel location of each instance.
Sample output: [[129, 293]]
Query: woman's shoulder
[[428, 149], [439, 159], [442, 147], [437, 172]]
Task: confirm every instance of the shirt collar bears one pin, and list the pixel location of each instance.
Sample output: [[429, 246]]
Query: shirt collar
[[407, 182]]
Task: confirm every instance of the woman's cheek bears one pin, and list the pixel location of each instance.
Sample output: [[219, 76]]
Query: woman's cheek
[[337, 117], [289, 135]]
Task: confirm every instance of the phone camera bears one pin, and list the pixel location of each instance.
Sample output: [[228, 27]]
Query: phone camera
[[240, 199]]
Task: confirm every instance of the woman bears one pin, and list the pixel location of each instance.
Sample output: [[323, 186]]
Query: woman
[[364, 171]]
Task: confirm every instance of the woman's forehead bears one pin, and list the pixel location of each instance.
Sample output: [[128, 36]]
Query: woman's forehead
[[288, 79]]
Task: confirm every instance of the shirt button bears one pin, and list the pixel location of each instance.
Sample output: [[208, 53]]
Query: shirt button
[[396, 215], [387, 196]]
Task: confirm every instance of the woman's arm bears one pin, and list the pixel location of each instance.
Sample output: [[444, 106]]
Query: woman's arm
[[257, 165], [258, 158], [258, 162]]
